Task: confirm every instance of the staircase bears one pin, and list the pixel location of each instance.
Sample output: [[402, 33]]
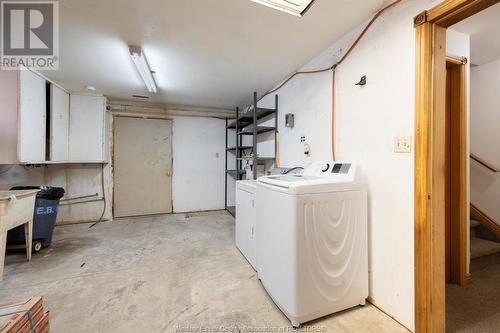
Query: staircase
[[485, 231], [484, 234]]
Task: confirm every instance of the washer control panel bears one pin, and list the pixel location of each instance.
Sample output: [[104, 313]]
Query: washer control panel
[[329, 168], [342, 168]]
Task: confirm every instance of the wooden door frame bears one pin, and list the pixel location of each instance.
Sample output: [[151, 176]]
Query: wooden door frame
[[458, 155], [430, 82]]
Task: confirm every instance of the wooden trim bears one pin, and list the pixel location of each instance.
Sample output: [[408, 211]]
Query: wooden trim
[[420, 19], [139, 109], [429, 178], [429, 161], [451, 59], [450, 12], [485, 220], [458, 160], [484, 163]]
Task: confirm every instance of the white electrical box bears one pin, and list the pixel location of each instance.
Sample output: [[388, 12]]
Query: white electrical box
[[402, 144]]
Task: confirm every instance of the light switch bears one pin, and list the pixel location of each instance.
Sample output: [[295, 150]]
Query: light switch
[[402, 144]]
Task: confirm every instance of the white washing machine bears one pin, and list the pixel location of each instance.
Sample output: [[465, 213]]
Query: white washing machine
[[312, 240]]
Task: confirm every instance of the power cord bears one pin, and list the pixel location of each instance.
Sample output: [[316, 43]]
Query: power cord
[[103, 198]]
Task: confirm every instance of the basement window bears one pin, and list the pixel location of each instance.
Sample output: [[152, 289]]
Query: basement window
[[293, 7]]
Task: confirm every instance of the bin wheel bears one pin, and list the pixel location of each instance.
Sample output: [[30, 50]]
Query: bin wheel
[[36, 246]]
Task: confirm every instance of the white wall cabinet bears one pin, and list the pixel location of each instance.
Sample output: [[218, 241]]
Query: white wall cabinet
[[44, 124], [31, 117], [87, 139], [59, 124]]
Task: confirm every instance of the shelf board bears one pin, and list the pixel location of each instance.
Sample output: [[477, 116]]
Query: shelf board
[[247, 119], [260, 130], [234, 172], [258, 158], [240, 148]]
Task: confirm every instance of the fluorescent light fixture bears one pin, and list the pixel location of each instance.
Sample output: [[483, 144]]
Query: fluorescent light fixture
[[294, 7], [143, 67]]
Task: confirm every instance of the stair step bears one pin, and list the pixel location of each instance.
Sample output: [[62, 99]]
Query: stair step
[[481, 247], [474, 223]]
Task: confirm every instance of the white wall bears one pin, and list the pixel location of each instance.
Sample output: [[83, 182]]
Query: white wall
[[19, 175], [485, 135], [76, 179], [367, 121], [197, 180], [82, 180], [198, 170]]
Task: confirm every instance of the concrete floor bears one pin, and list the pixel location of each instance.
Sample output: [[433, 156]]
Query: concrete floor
[[155, 274]]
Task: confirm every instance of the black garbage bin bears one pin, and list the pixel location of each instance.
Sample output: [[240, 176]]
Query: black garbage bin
[[44, 217]]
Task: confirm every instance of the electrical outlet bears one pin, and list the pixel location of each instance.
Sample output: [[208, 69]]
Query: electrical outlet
[[307, 149], [402, 144]]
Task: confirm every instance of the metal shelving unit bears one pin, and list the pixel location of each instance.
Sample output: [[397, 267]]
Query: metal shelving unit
[[241, 127]]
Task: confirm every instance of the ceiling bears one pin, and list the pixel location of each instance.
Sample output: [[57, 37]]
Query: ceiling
[[210, 53], [484, 31]]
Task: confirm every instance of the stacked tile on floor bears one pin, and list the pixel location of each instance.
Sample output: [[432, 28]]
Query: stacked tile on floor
[[24, 317]]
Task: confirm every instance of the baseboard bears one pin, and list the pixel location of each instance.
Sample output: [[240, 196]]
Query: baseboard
[[468, 279], [372, 302]]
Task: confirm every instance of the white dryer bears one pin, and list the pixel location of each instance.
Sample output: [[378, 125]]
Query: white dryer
[[244, 230], [312, 240]]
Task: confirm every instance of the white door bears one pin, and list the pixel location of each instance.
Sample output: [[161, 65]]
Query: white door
[[86, 130], [142, 166], [59, 124]]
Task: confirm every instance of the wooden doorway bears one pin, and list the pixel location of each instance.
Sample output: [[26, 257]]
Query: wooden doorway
[[456, 176], [142, 162], [430, 159]]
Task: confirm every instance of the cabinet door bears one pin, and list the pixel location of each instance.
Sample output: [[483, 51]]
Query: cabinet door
[[59, 124], [86, 130], [32, 117], [9, 99]]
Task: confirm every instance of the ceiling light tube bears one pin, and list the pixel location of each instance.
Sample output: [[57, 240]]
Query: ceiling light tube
[[143, 68]]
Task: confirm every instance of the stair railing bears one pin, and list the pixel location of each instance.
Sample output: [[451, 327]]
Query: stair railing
[[484, 163]]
